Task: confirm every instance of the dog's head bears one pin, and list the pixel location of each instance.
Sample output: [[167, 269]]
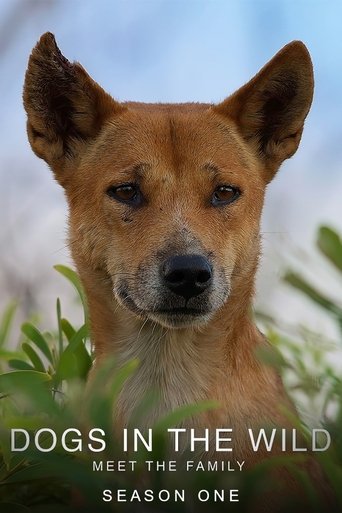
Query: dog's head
[[166, 199]]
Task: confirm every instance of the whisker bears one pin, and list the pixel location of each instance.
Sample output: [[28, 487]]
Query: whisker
[[142, 327], [273, 232]]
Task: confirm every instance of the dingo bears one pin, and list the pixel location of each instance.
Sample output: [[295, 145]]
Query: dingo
[[165, 203]]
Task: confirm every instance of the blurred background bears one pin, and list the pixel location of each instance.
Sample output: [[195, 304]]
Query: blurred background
[[173, 51]]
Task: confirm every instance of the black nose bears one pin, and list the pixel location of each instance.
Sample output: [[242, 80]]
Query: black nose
[[187, 275]]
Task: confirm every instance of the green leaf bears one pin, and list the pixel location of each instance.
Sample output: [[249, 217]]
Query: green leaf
[[270, 355], [105, 388], [6, 322], [67, 367], [75, 361], [34, 388], [60, 332], [73, 278], [299, 283], [19, 364], [31, 353], [334, 474], [67, 329], [8, 355], [308, 487], [183, 412], [28, 473], [28, 422], [19, 380], [330, 244], [77, 339], [33, 334], [121, 376], [84, 360], [13, 507]]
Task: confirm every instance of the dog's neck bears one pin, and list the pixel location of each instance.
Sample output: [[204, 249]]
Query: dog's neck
[[183, 365]]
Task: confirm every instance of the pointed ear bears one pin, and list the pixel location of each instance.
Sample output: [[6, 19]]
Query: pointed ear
[[65, 107], [270, 110]]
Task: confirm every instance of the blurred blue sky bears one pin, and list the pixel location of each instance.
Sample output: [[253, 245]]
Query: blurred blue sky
[[168, 50]]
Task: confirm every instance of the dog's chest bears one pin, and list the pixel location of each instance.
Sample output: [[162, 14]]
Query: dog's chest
[[171, 366]]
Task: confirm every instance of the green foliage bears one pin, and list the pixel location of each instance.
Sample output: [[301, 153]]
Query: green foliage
[[330, 245], [43, 385], [5, 328], [6, 323], [307, 359], [75, 281], [310, 363]]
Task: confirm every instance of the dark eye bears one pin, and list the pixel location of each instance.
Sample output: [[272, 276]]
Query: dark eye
[[224, 194], [126, 193]]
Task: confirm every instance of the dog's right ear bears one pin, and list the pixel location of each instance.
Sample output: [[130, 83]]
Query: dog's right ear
[[65, 106]]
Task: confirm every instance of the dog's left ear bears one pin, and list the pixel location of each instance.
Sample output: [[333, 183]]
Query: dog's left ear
[[270, 110]]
